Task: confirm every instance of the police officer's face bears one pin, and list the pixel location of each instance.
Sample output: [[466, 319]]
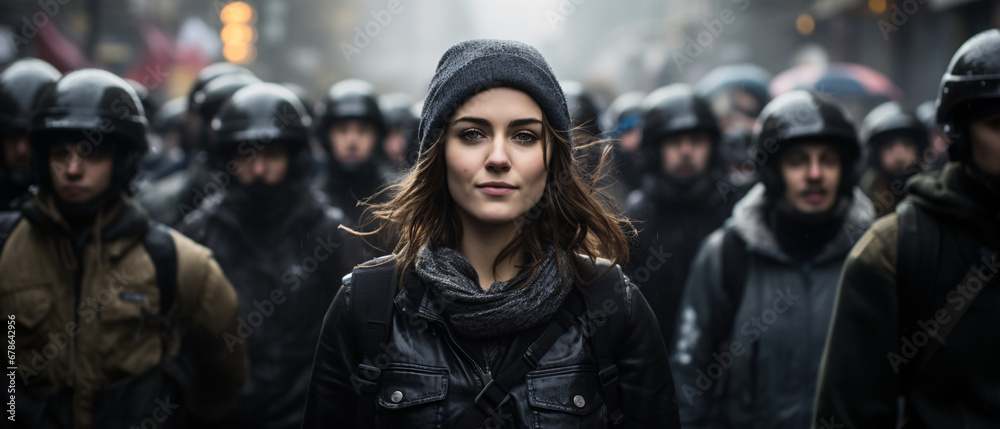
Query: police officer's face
[[78, 177], [16, 152], [685, 155], [353, 140], [811, 172], [495, 156], [898, 155], [986, 144], [268, 165]]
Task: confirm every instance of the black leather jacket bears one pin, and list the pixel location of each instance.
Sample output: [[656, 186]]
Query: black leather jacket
[[438, 379]]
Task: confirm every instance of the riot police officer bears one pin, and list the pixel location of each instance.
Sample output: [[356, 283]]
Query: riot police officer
[[895, 141], [180, 193], [278, 244], [351, 129], [116, 315], [916, 305], [759, 298], [679, 202]]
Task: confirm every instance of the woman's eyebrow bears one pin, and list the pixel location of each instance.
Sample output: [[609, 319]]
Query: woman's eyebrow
[[523, 122], [479, 121]]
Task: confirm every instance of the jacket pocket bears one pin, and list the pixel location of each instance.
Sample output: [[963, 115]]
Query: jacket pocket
[[132, 333], [411, 395], [31, 305], [566, 398]]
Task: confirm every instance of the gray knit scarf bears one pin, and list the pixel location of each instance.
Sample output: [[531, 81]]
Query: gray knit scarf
[[501, 310]]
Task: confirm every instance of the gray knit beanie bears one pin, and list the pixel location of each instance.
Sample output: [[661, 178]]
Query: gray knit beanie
[[471, 67]]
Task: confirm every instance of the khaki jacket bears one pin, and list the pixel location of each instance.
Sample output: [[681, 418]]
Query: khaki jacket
[[117, 330]]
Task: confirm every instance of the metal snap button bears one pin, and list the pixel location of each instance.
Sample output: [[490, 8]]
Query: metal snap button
[[396, 396], [579, 401]]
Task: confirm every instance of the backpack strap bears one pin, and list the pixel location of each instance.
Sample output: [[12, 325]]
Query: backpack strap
[[734, 272], [606, 309], [162, 250], [917, 252], [373, 289], [8, 220], [917, 259], [598, 308], [496, 393], [917, 266]]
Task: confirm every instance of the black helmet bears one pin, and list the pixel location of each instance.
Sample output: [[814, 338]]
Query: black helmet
[[210, 99], [348, 99], [972, 79], [260, 114], [213, 71], [95, 107], [303, 96], [888, 121], [20, 86], [396, 110], [151, 102], [803, 116], [170, 116], [675, 109], [583, 110]]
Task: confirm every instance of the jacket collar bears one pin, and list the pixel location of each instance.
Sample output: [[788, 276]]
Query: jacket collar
[[414, 299], [122, 218], [749, 219]]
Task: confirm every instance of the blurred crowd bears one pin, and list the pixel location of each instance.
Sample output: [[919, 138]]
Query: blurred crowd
[[749, 192]]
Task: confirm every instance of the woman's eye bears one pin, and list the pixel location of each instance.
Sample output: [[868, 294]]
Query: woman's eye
[[525, 138], [471, 135]]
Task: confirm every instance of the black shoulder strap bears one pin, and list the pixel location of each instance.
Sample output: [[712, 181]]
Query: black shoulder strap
[[162, 250], [734, 272], [917, 255], [606, 300], [372, 290], [602, 323], [496, 393], [917, 262], [8, 220]]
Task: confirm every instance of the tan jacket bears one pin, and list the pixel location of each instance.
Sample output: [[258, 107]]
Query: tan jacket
[[118, 330]]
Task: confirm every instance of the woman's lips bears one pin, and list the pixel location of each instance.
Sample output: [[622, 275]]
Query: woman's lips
[[493, 190], [496, 188]]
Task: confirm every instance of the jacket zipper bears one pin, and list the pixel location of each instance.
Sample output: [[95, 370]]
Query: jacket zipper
[[485, 376]]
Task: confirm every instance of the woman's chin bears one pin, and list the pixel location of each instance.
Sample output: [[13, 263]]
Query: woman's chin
[[497, 219]]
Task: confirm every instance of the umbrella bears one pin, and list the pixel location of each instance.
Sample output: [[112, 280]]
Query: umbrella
[[839, 79]]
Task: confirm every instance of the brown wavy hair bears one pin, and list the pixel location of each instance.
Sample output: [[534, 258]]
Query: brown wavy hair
[[571, 214]]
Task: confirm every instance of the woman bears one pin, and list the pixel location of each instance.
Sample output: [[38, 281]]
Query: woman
[[491, 315]]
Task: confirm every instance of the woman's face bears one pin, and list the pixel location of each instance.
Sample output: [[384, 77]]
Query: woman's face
[[494, 156]]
